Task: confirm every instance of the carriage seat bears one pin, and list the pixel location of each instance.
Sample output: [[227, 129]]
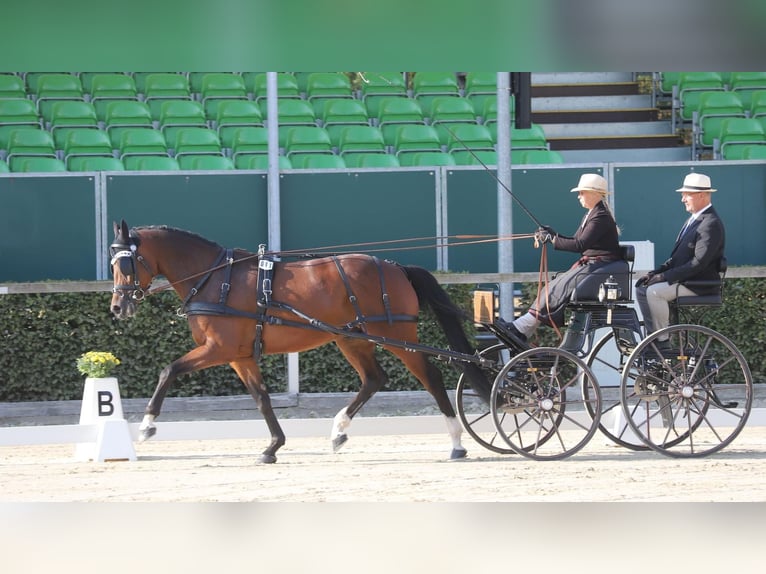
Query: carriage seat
[[709, 300], [587, 295]]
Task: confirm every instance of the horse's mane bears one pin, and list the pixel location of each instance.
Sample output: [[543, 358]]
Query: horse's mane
[[175, 230]]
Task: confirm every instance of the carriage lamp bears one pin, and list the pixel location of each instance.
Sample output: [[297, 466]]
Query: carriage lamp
[[609, 290]]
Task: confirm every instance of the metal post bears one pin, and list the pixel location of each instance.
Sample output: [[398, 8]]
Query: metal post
[[275, 242], [274, 219], [504, 199]]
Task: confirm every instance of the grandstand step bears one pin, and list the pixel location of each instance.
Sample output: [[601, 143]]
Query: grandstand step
[[580, 77], [616, 142], [630, 155], [593, 116], [549, 104], [589, 129], [580, 90]]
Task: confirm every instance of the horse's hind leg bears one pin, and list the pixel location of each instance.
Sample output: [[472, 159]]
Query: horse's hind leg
[[361, 355], [431, 378], [250, 373]]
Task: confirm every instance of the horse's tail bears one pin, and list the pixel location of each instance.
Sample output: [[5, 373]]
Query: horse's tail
[[449, 316]]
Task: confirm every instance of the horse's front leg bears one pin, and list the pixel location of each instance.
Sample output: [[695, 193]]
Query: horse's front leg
[[195, 360], [250, 373]]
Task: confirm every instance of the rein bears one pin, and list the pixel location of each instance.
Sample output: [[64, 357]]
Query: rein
[[315, 252]]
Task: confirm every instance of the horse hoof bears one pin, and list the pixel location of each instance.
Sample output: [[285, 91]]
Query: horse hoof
[[338, 442], [268, 458], [458, 454], [147, 433]]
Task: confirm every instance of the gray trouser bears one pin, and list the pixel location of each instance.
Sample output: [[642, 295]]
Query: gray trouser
[[654, 303]]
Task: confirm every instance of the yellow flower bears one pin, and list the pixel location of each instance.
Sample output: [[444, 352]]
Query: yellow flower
[[96, 363]]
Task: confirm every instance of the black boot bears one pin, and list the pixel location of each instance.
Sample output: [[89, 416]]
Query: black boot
[[511, 333]]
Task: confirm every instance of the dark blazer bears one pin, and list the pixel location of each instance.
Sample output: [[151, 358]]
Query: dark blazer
[[596, 236], [697, 252]]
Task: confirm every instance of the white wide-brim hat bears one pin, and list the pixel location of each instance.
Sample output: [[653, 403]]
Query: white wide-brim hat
[[696, 182], [592, 182]]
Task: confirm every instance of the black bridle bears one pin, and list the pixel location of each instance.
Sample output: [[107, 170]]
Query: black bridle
[[126, 255]]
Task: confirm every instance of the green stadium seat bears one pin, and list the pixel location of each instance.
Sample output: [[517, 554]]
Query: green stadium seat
[[360, 139], [339, 113], [754, 151], [124, 115], [540, 156], [196, 80], [12, 86], [307, 139], [176, 115], [17, 114], [196, 141], [55, 87], [428, 85], [205, 162], [478, 157], [324, 86], [758, 104], [746, 83], [468, 138], [432, 158], [374, 160], [480, 87], [31, 79], [379, 85], [249, 78], [488, 114], [106, 88], [86, 142], [160, 88], [95, 163], [248, 141], [219, 87], [234, 114], [532, 137], [690, 87], [25, 142], [413, 138], [293, 113], [140, 79], [151, 163], [67, 115], [394, 112], [261, 161], [714, 108], [447, 112], [667, 81], [736, 134], [317, 161], [39, 164], [140, 142], [287, 87], [4, 167]]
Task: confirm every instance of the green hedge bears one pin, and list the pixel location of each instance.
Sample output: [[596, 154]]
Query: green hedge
[[43, 334]]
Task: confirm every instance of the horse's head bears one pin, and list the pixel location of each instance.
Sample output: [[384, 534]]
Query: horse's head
[[131, 273]]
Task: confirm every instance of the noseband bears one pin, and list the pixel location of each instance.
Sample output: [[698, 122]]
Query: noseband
[[126, 255]]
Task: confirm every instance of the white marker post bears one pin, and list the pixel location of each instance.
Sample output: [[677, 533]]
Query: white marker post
[[102, 407]]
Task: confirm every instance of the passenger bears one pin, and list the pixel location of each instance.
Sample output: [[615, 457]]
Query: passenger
[[596, 239], [696, 256]]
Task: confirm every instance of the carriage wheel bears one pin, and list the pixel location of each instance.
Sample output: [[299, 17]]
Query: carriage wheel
[[691, 401], [537, 406], [607, 360], [474, 411]]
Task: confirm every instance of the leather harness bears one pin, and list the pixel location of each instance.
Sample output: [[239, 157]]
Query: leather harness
[[265, 302]]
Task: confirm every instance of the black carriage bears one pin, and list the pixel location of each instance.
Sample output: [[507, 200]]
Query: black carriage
[[546, 403]]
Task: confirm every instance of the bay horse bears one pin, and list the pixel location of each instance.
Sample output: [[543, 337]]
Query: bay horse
[[241, 305]]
